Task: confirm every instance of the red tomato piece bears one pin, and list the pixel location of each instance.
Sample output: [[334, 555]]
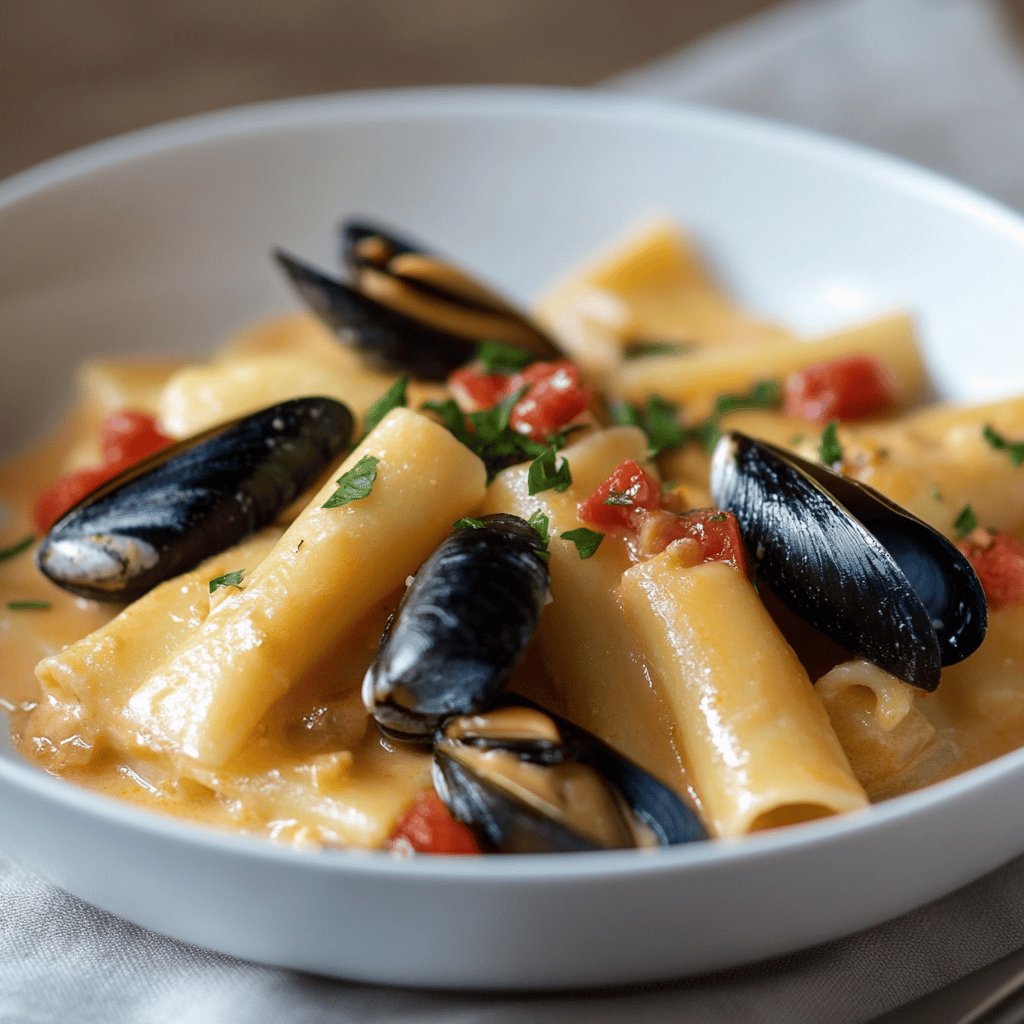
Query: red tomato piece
[[128, 436], [428, 827], [67, 491], [475, 390], [556, 397], [998, 560], [632, 493], [848, 388]]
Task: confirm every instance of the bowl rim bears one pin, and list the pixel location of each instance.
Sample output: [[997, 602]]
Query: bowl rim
[[536, 102]]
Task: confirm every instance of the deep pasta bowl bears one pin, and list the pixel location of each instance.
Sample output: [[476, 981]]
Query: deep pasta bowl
[[159, 242]]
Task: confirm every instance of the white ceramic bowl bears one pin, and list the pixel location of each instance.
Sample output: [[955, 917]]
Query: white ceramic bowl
[[159, 241]]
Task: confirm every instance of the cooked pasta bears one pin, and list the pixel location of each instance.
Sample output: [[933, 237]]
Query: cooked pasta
[[594, 636]]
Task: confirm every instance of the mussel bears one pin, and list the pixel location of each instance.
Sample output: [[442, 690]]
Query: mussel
[[193, 500], [384, 337], [403, 275], [526, 781], [864, 571], [460, 630]]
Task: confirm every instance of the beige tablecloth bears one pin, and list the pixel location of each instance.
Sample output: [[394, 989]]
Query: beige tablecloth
[[933, 80]]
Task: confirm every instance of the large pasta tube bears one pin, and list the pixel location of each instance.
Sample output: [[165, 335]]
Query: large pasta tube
[[330, 567], [755, 735], [714, 371], [586, 644]]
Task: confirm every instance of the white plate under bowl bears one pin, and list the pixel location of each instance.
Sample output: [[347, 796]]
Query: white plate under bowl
[[159, 242]]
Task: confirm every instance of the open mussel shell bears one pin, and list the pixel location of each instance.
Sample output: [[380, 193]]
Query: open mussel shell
[[406, 276], [386, 338], [527, 781], [193, 500], [461, 628], [864, 571]]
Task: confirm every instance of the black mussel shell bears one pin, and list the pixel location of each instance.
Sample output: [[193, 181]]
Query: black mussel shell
[[443, 292], [384, 337], [193, 500], [507, 818], [461, 628], [864, 571]]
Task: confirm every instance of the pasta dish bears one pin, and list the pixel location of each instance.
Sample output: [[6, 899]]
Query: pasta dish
[[414, 570]]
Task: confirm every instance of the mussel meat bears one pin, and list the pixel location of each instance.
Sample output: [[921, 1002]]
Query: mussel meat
[[526, 781], [460, 630], [386, 338], [405, 276], [864, 571], [193, 500]]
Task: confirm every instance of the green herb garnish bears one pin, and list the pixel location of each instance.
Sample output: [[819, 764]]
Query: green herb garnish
[[1015, 449], [830, 451], [356, 484], [393, 398], [17, 547], [936, 493], [229, 579], [497, 357], [586, 541], [618, 498], [763, 394], [28, 606], [658, 419], [540, 523], [965, 522], [547, 473], [468, 523], [643, 348]]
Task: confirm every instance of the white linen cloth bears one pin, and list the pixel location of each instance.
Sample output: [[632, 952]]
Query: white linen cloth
[[937, 81]]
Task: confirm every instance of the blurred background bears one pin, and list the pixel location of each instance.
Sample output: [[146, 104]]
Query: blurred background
[[74, 71]]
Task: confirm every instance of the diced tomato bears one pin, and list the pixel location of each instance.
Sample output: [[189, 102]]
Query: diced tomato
[[631, 492], [128, 436], [428, 827], [998, 560], [556, 397], [68, 490], [475, 390], [848, 388]]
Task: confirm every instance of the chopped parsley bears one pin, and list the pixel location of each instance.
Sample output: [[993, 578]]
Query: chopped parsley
[[547, 473], [540, 524], [497, 357], [16, 548], [28, 606], [936, 493], [965, 522], [356, 484], [393, 398], [586, 541], [618, 498], [659, 418], [999, 443], [644, 347], [229, 579], [830, 451], [468, 523]]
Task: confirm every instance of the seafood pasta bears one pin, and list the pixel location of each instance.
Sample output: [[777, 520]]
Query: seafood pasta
[[414, 570]]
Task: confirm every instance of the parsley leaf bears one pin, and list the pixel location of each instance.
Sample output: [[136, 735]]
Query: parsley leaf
[[546, 473], [497, 357], [450, 413], [490, 424], [540, 524], [468, 523], [965, 522], [17, 547], [763, 394], [355, 484], [642, 348], [28, 606], [999, 443], [586, 541], [618, 498], [936, 493], [830, 451], [229, 579], [393, 398]]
